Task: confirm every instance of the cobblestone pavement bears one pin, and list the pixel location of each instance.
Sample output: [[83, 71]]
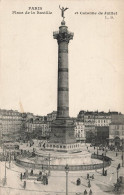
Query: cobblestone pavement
[[57, 181]]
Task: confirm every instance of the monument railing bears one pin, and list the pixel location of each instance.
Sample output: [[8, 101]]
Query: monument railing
[[107, 162]]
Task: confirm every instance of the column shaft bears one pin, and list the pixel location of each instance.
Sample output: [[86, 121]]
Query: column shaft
[[63, 88]]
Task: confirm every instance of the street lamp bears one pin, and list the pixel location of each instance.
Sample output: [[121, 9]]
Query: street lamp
[[103, 172], [66, 170], [49, 164], [97, 150], [97, 146], [117, 173], [9, 158], [122, 152], [5, 178]]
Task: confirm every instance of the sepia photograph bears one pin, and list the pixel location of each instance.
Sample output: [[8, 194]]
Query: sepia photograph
[[61, 97]]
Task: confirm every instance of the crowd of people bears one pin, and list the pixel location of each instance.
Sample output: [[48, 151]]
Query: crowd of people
[[42, 176]]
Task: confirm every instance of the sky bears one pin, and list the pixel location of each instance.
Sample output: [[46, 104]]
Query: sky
[[29, 56]]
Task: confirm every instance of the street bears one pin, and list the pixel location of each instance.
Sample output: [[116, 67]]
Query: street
[[57, 179]]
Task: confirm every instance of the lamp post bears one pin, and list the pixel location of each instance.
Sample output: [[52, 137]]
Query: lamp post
[[9, 158], [122, 152], [5, 179], [5, 169], [97, 147], [97, 151], [66, 170], [49, 164], [117, 173], [3, 148], [103, 172]]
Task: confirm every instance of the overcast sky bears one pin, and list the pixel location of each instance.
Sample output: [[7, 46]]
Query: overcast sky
[[28, 72]]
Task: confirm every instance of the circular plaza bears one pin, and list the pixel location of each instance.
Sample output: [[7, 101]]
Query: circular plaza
[[55, 160]]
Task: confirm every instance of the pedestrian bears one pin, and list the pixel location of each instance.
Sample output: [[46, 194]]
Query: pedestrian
[[24, 175], [87, 175], [46, 180], [21, 176], [85, 192], [89, 185], [93, 176], [116, 154], [24, 184], [87, 147], [31, 173], [90, 192], [78, 181], [40, 173], [105, 173], [94, 147]]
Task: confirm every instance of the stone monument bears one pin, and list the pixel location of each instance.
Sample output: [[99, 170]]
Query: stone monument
[[62, 129]]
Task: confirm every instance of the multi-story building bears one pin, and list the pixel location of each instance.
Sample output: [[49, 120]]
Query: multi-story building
[[37, 126], [79, 130], [102, 119], [90, 132], [40, 128], [89, 118], [102, 134], [117, 117], [81, 115], [97, 119], [116, 134], [14, 124], [11, 123], [51, 116], [116, 130]]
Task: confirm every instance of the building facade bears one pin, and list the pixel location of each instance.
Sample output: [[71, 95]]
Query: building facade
[[37, 126], [96, 124], [98, 118], [80, 131], [11, 123], [51, 116], [102, 119], [102, 134], [116, 134]]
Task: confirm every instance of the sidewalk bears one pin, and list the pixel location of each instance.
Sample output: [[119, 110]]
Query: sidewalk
[[57, 181]]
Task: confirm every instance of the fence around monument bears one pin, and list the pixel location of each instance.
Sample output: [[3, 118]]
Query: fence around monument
[[107, 162]]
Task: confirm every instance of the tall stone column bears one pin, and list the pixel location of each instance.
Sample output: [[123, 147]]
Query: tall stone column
[[62, 129], [63, 37]]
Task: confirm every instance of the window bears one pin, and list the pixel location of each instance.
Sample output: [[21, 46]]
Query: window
[[116, 132]]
